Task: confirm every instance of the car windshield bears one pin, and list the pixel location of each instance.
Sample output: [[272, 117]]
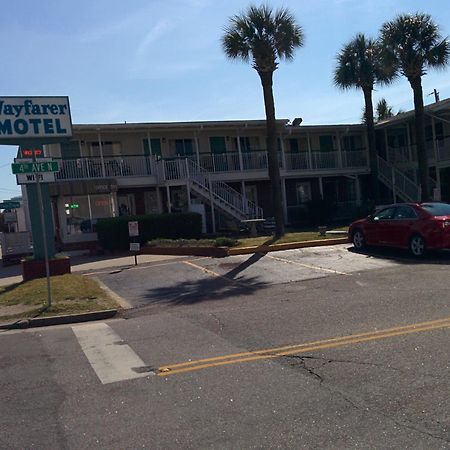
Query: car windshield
[[437, 209]]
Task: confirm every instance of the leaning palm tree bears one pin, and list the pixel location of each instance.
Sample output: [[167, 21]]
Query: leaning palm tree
[[411, 45], [359, 66], [264, 37]]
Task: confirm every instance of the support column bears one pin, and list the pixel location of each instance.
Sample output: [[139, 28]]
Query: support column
[[283, 154], [339, 149], [211, 199], [436, 158], [284, 197], [188, 184], [197, 149], [408, 142], [386, 144], [241, 162], [169, 203], [100, 148], [308, 139], [321, 188]]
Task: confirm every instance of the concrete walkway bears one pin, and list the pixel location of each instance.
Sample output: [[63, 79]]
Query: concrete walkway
[[86, 264]]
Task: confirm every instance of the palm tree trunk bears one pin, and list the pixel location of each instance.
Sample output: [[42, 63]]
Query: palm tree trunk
[[373, 163], [273, 163], [422, 157]]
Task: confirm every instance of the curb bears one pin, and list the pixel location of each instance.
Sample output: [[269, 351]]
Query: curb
[[219, 252], [287, 246], [59, 320]]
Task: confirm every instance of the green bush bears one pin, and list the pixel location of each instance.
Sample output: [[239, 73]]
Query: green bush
[[225, 242], [113, 232]]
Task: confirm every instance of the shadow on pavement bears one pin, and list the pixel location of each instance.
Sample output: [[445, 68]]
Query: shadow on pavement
[[209, 289], [401, 256]]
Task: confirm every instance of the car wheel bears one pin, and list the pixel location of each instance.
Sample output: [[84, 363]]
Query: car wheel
[[358, 239], [417, 245]]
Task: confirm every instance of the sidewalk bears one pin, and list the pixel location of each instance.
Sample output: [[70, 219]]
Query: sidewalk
[[86, 264]]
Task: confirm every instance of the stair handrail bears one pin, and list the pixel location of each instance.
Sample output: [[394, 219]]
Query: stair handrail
[[222, 192], [398, 180]]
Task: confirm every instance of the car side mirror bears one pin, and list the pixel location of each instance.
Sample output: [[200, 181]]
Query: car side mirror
[[370, 218]]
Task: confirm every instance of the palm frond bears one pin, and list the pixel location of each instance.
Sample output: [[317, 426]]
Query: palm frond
[[262, 35]]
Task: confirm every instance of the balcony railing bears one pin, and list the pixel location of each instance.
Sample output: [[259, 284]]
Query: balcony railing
[[174, 169], [87, 168]]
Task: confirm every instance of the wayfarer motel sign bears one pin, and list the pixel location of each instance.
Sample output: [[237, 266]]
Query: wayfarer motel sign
[[34, 119]]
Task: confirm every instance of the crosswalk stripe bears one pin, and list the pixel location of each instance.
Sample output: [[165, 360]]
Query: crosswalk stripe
[[111, 359]]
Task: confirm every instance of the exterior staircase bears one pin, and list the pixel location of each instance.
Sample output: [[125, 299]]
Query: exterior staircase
[[217, 193], [402, 186]]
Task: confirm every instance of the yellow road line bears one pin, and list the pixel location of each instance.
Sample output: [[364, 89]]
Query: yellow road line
[[279, 352], [308, 266]]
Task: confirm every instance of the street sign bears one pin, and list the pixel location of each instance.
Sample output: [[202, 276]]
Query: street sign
[[35, 167], [28, 178], [135, 246], [133, 229], [9, 205]]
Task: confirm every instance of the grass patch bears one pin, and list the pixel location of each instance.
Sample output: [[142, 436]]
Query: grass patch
[[218, 242], [296, 236], [71, 294]]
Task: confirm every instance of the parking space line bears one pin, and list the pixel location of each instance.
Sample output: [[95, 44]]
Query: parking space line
[[144, 266], [308, 266], [280, 352], [203, 269]]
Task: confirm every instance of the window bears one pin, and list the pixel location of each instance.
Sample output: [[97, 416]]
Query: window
[[154, 148], [303, 192], [385, 214], [109, 148], [405, 212], [326, 143], [437, 209], [82, 212], [184, 147]]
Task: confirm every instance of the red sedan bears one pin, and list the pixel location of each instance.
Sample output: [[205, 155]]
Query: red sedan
[[413, 226]]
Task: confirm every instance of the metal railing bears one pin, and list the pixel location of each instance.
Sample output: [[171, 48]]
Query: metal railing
[[222, 192], [88, 168], [397, 181]]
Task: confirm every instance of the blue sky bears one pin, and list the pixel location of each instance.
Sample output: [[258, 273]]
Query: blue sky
[[161, 60]]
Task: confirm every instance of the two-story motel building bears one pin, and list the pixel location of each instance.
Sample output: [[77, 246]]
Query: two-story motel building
[[219, 168]]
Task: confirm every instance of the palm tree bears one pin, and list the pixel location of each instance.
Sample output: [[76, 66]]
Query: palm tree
[[359, 66], [264, 37], [411, 45], [384, 111]]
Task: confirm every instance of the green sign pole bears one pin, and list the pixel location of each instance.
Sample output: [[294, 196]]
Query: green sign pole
[[44, 238]]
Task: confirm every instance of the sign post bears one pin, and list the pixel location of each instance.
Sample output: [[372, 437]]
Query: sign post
[[133, 232]]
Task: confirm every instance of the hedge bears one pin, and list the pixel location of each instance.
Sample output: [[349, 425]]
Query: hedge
[[113, 232]]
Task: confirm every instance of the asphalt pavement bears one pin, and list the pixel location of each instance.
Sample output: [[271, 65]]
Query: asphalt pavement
[[312, 348]]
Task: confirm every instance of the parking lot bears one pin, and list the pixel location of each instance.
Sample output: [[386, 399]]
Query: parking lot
[[190, 280]]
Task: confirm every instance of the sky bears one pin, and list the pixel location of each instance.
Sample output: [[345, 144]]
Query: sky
[[162, 61]]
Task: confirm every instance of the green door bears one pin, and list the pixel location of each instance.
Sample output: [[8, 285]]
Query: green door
[[218, 150]]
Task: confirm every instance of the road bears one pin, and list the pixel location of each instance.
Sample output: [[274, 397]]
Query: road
[[313, 348]]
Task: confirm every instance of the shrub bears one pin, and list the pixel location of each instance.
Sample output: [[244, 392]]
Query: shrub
[[225, 242], [113, 232]]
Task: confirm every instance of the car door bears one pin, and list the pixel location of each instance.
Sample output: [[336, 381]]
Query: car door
[[378, 230], [401, 225]]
